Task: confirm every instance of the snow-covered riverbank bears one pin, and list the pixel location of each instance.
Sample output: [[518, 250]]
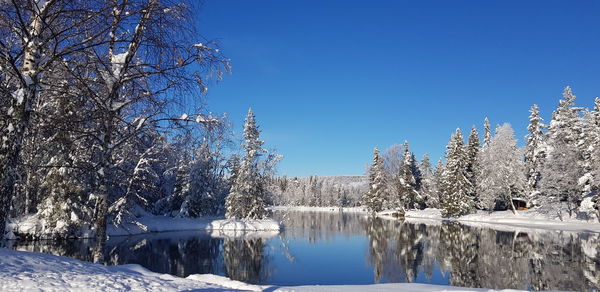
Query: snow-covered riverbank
[[507, 220], [27, 271], [503, 220], [226, 227]]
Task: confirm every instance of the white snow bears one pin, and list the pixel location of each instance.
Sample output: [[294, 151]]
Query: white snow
[[507, 220], [28, 271], [184, 117], [163, 223], [118, 61], [217, 227], [19, 94], [501, 220]]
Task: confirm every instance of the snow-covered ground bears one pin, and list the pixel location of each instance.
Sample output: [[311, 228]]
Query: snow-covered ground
[[217, 226], [27, 271], [162, 224], [507, 220], [538, 218]]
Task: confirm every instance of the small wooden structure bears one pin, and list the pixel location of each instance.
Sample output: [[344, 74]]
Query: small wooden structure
[[520, 204]]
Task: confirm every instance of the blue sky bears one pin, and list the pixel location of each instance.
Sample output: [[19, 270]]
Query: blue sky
[[330, 80]]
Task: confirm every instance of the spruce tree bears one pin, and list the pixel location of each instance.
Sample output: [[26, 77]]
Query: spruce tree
[[535, 153], [456, 185], [426, 174], [594, 146], [374, 199], [487, 132], [437, 184], [246, 197], [471, 161], [409, 194], [563, 168]]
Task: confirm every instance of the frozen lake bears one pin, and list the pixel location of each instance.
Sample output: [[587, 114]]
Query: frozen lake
[[335, 248]]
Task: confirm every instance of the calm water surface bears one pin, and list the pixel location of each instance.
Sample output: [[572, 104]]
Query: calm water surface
[[349, 248]]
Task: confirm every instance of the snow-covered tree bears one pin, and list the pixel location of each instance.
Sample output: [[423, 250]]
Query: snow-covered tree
[[471, 161], [535, 152], [487, 132], [437, 185], [202, 195], [562, 169], [248, 189], [500, 170], [393, 161], [593, 130], [426, 173], [454, 199], [36, 37], [376, 195], [408, 178]]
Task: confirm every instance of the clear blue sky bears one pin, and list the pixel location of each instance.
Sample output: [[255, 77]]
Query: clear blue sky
[[330, 80]]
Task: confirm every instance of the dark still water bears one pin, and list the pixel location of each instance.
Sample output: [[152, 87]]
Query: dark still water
[[335, 248]]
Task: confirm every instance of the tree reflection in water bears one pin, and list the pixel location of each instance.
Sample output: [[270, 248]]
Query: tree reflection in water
[[476, 257], [396, 251], [245, 260]]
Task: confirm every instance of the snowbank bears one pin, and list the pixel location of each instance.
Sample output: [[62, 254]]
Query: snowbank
[[224, 227], [507, 220], [29, 271], [539, 218], [319, 209], [31, 225]]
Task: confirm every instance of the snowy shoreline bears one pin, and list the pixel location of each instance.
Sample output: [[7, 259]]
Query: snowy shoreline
[[500, 220], [152, 224], [26, 271]]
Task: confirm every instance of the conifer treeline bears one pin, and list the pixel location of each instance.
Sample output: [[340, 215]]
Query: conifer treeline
[[559, 166]]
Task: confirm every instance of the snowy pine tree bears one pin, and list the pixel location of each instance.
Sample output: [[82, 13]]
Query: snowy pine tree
[[374, 199], [426, 173], [471, 161], [535, 153], [563, 168], [594, 150], [437, 185], [201, 195], [455, 186], [487, 132], [409, 194], [246, 197]]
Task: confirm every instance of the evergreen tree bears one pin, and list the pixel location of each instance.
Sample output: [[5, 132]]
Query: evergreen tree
[[246, 198], [426, 174], [471, 161], [594, 148], [374, 199], [535, 153], [201, 196], [487, 132], [409, 194], [455, 186], [563, 168], [437, 184]]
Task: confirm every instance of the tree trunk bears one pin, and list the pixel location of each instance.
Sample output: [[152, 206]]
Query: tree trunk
[[21, 105]]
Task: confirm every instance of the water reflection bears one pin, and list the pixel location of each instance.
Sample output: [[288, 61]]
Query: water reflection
[[475, 257], [246, 261], [350, 248]]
